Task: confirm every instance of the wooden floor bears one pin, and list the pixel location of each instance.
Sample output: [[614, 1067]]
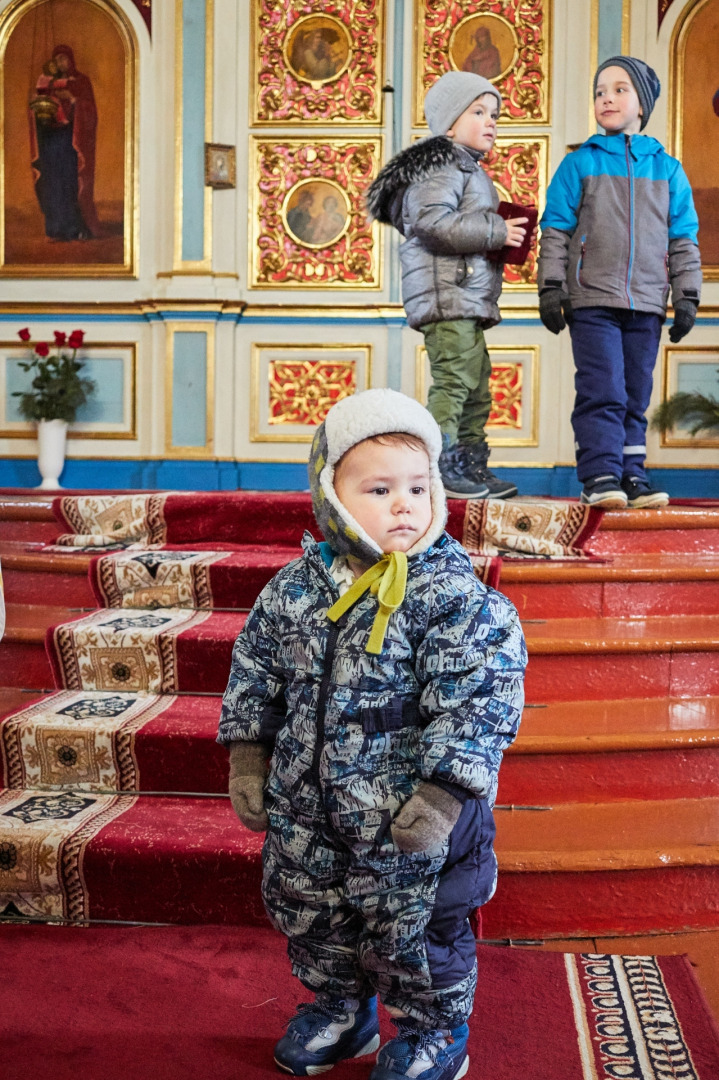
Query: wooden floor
[[701, 946]]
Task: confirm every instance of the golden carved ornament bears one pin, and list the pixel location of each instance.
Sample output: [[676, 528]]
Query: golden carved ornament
[[303, 391], [310, 227], [317, 61], [506, 385], [504, 40]]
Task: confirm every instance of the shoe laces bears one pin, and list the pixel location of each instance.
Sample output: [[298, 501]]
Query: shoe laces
[[427, 1044], [333, 1012]]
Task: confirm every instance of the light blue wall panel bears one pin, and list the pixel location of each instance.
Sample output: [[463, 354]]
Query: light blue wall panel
[[189, 388], [610, 29], [698, 378], [106, 404], [193, 130]]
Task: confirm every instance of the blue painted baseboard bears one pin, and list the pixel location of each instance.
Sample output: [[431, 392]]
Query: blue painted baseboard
[[191, 475]]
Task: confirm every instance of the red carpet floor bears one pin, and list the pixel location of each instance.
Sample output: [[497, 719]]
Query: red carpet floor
[[186, 1002]]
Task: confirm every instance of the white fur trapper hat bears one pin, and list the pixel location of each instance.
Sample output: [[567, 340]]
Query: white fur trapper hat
[[353, 419]]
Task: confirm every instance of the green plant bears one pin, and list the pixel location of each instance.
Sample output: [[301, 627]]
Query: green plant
[[58, 389], [697, 412]]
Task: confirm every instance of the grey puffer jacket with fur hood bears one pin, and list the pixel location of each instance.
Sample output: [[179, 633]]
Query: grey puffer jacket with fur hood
[[444, 204]]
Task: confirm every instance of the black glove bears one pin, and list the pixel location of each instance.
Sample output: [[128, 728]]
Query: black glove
[[685, 313], [248, 771], [555, 309]]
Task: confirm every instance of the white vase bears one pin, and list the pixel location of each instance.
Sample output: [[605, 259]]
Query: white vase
[[51, 436]]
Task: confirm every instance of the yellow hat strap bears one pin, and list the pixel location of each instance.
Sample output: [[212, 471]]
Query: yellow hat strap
[[387, 580]]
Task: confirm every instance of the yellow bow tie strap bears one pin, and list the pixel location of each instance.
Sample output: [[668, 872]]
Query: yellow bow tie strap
[[387, 580]]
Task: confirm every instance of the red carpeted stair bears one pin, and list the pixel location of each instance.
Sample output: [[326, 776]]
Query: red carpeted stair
[[620, 737]]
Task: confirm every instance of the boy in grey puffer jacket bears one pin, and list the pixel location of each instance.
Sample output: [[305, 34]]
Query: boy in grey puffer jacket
[[385, 681], [444, 204]]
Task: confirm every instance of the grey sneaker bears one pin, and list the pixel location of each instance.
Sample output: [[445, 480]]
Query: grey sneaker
[[458, 484], [605, 492], [326, 1031], [641, 496]]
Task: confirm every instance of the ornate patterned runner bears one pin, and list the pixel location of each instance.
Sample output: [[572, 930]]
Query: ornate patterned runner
[[129, 652], [155, 579], [112, 521], [626, 1022], [529, 528], [43, 838], [77, 739]]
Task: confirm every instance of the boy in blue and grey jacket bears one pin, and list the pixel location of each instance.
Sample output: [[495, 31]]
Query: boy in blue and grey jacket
[[619, 234], [383, 682]]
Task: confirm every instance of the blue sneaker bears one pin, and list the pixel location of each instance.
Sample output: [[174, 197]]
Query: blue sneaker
[[326, 1031], [426, 1055]]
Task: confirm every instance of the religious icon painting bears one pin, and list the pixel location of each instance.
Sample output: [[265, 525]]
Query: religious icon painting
[[509, 45], [310, 226], [317, 62], [69, 177]]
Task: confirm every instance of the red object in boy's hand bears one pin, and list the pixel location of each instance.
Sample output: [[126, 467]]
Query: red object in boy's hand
[[516, 255]]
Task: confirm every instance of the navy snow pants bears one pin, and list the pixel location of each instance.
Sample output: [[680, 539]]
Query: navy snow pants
[[615, 351], [362, 922]]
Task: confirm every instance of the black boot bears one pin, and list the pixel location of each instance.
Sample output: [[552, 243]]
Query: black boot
[[457, 482], [474, 456]]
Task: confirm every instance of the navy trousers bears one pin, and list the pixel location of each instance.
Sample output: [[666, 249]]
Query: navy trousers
[[614, 355]]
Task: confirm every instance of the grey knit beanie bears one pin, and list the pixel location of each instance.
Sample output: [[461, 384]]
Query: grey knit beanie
[[353, 419], [451, 95], [644, 80]]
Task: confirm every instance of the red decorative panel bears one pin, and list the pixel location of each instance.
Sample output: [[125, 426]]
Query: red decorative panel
[[303, 391], [317, 61], [505, 384], [310, 228], [507, 41]]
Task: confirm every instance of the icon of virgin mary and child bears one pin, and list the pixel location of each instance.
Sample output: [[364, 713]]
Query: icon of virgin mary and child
[[63, 127]]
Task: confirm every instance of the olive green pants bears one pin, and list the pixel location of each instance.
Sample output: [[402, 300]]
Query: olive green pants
[[459, 398]]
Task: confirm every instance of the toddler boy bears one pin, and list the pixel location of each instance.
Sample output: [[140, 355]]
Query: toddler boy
[[383, 681]]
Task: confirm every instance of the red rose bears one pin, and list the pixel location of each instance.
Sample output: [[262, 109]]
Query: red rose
[[42, 349], [76, 339], [24, 335], [60, 338]]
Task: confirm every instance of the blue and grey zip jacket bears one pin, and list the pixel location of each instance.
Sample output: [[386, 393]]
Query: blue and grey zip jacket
[[440, 703], [620, 229]]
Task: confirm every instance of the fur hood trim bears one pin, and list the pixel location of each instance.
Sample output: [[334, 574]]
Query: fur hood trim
[[384, 197]]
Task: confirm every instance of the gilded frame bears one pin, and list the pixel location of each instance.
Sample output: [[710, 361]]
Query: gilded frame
[[677, 49], [9, 20], [349, 91], [258, 434], [173, 450], [279, 168], [496, 354], [671, 358], [23, 429], [525, 85]]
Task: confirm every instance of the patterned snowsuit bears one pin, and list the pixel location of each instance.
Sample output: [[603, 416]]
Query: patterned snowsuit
[[352, 736]]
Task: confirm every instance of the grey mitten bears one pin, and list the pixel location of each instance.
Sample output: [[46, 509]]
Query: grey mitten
[[248, 771], [555, 309], [685, 313], [426, 819]]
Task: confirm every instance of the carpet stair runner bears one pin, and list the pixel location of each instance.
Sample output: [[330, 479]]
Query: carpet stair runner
[[584, 738]]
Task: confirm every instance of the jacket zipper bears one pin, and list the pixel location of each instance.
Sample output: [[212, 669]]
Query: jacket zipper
[[580, 263], [630, 182], [332, 637]]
